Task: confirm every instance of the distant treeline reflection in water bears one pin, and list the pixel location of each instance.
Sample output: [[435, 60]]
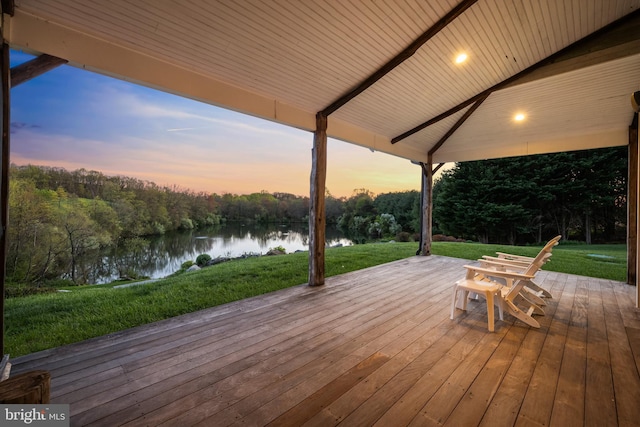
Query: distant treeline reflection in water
[[163, 255]]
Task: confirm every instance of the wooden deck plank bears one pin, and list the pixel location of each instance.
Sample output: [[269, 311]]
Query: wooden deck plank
[[634, 343], [626, 382], [373, 347], [472, 407], [423, 336], [313, 404], [346, 404], [469, 408], [410, 374], [292, 389], [343, 331], [538, 402], [600, 407], [568, 407], [451, 385], [506, 403]]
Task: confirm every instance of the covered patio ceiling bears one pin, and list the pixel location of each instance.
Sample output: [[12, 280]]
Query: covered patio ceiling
[[569, 66]]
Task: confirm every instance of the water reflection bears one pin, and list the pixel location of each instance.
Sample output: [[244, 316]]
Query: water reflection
[[160, 256]]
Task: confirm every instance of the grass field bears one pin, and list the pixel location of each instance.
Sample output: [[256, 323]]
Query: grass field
[[38, 322]]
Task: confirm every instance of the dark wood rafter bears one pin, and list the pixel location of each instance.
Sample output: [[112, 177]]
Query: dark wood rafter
[[4, 177], [401, 57], [632, 203], [459, 123], [33, 68], [317, 219], [8, 7], [623, 25], [437, 168]]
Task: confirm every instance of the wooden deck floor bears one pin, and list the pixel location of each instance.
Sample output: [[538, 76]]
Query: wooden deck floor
[[373, 347]]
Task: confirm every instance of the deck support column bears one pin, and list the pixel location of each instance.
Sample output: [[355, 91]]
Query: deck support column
[[632, 204], [317, 220], [427, 207], [634, 168], [5, 86]]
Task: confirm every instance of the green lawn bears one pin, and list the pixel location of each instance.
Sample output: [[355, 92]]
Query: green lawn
[[43, 321], [603, 261]]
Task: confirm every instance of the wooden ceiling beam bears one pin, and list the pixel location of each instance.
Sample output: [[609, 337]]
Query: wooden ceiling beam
[[33, 68], [624, 31], [8, 7], [401, 57]]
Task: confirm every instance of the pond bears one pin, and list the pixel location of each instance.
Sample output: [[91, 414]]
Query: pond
[[163, 255]]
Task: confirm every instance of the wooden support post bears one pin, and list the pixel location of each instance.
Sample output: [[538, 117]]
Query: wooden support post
[[634, 140], [427, 208], [632, 205], [317, 220], [5, 86]]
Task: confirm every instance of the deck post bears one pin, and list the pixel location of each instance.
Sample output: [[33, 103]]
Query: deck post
[[5, 86], [633, 141], [632, 204], [317, 220], [427, 207]]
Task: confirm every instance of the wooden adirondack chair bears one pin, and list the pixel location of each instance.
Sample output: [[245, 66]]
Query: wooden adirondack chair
[[526, 259], [519, 263], [494, 293], [507, 295]]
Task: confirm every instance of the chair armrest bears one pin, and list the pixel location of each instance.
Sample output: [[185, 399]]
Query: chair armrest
[[497, 273], [515, 263], [485, 263], [523, 258]]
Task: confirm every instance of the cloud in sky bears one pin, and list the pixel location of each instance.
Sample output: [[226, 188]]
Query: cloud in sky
[[75, 119]]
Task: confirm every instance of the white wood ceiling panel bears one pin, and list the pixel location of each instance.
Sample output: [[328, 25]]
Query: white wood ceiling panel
[[570, 104], [307, 53]]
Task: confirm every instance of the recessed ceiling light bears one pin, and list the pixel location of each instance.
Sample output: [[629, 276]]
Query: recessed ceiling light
[[519, 117], [461, 58]]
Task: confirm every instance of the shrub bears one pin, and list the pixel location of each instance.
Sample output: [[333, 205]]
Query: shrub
[[186, 224], [202, 260], [278, 250], [444, 238], [403, 236]]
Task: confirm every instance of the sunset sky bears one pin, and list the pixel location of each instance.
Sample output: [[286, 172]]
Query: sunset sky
[[76, 119]]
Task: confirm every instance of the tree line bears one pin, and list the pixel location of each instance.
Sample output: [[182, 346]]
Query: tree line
[[57, 216], [580, 195]]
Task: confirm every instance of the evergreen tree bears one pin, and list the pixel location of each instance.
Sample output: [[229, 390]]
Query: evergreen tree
[[580, 195]]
